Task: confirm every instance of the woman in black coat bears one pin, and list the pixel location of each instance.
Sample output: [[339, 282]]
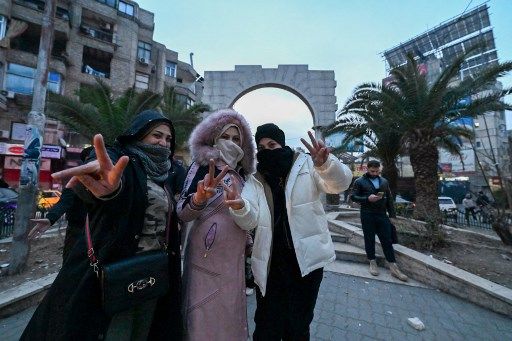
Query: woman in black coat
[[127, 191]]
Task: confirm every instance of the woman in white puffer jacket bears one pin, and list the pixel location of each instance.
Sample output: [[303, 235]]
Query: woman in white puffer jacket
[[292, 242]]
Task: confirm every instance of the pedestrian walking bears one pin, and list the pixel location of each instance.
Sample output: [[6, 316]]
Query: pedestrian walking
[[469, 207], [130, 208], [292, 240], [372, 192], [214, 302]]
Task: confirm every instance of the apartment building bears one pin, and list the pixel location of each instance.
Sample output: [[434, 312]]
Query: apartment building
[[110, 39]]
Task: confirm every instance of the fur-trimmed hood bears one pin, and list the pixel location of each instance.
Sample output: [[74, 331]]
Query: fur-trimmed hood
[[203, 137]]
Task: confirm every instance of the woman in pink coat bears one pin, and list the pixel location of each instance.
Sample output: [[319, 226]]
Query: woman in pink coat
[[214, 302]]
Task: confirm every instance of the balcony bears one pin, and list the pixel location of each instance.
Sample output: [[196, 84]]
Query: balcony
[[97, 33], [96, 62], [32, 11], [191, 87], [28, 41]]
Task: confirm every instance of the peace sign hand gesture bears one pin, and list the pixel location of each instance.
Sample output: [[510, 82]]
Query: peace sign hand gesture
[[206, 187], [100, 177], [232, 196], [319, 152]]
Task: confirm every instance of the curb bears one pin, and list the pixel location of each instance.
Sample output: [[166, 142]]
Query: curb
[[16, 299], [439, 275]]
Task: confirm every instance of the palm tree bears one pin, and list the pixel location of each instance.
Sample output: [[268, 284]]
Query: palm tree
[[364, 122], [428, 116], [184, 119], [97, 111]]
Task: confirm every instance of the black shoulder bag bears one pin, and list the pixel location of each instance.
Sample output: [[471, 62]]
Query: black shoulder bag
[[131, 281]]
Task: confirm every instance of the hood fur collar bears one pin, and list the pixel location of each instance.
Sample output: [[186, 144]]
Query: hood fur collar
[[203, 137]]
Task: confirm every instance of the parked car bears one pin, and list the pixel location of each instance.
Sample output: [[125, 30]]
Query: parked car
[[447, 206], [8, 195], [47, 199]]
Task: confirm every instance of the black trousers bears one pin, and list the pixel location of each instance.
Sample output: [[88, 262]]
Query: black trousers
[[377, 224], [286, 311]]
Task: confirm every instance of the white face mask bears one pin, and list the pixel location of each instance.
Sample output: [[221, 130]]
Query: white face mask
[[230, 152]]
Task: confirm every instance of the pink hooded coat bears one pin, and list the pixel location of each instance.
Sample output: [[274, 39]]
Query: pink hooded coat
[[214, 275]]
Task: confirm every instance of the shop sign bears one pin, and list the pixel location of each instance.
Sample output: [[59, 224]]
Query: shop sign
[[47, 151]]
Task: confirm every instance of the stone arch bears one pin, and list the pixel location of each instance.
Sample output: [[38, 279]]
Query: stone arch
[[315, 88], [273, 85]]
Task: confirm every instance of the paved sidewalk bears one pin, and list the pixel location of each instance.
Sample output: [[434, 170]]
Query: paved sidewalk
[[354, 308]]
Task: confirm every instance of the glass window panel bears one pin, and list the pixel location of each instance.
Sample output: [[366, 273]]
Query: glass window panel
[[170, 69], [21, 70], [19, 84]]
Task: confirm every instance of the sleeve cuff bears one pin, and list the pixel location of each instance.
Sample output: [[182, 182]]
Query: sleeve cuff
[[113, 194], [324, 167], [241, 212], [194, 206]]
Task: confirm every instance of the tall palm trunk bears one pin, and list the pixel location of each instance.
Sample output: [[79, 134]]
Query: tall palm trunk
[[424, 160], [390, 172]]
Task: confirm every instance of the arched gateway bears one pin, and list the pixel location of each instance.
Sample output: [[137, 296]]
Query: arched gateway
[[315, 88]]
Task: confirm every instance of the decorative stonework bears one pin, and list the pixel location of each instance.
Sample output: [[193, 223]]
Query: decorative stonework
[[315, 88]]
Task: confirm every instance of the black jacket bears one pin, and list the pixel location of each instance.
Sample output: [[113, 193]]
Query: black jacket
[[71, 205], [71, 310], [363, 187]]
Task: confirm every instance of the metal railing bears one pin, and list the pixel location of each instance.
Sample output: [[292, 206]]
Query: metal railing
[[96, 33], [6, 219], [481, 219], [478, 219]]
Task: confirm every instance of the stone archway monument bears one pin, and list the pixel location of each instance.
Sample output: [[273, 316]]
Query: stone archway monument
[[315, 88]]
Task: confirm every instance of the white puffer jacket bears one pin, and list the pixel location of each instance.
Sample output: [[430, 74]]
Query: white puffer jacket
[[306, 216]]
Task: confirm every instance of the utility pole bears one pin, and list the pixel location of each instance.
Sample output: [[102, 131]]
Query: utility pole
[[29, 173]]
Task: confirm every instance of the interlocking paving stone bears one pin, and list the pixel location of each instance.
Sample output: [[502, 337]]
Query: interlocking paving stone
[[353, 308]]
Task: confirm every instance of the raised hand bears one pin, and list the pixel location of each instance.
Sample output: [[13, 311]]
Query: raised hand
[[41, 226], [319, 152], [232, 196], [100, 177], [206, 187]]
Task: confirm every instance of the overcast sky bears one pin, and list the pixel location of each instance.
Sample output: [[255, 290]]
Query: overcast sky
[[340, 35]]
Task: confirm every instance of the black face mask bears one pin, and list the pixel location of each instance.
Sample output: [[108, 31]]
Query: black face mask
[[275, 162]]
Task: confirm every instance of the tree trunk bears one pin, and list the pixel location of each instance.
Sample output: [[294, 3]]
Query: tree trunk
[[29, 172], [424, 160], [503, 229], [390, 172]]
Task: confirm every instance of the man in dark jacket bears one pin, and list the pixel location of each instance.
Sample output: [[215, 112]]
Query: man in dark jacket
[[372, 192]]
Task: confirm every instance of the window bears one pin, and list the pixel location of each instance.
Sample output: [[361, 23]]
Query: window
[[141, 81], [126, 8], [170, 69], [20, 79], [62, 13], [478, 144], [144, 51], [186, 101], [54, 82], [111, 3], [3, 25]]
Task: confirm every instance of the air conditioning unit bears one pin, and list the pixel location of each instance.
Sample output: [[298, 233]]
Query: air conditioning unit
[[143, 61], [4, 134], [10, 94]]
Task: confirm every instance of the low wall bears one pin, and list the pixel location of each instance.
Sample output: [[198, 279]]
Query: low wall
[[439, 275]]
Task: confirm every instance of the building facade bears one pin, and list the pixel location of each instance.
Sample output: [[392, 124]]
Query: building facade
[[109, 39]]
